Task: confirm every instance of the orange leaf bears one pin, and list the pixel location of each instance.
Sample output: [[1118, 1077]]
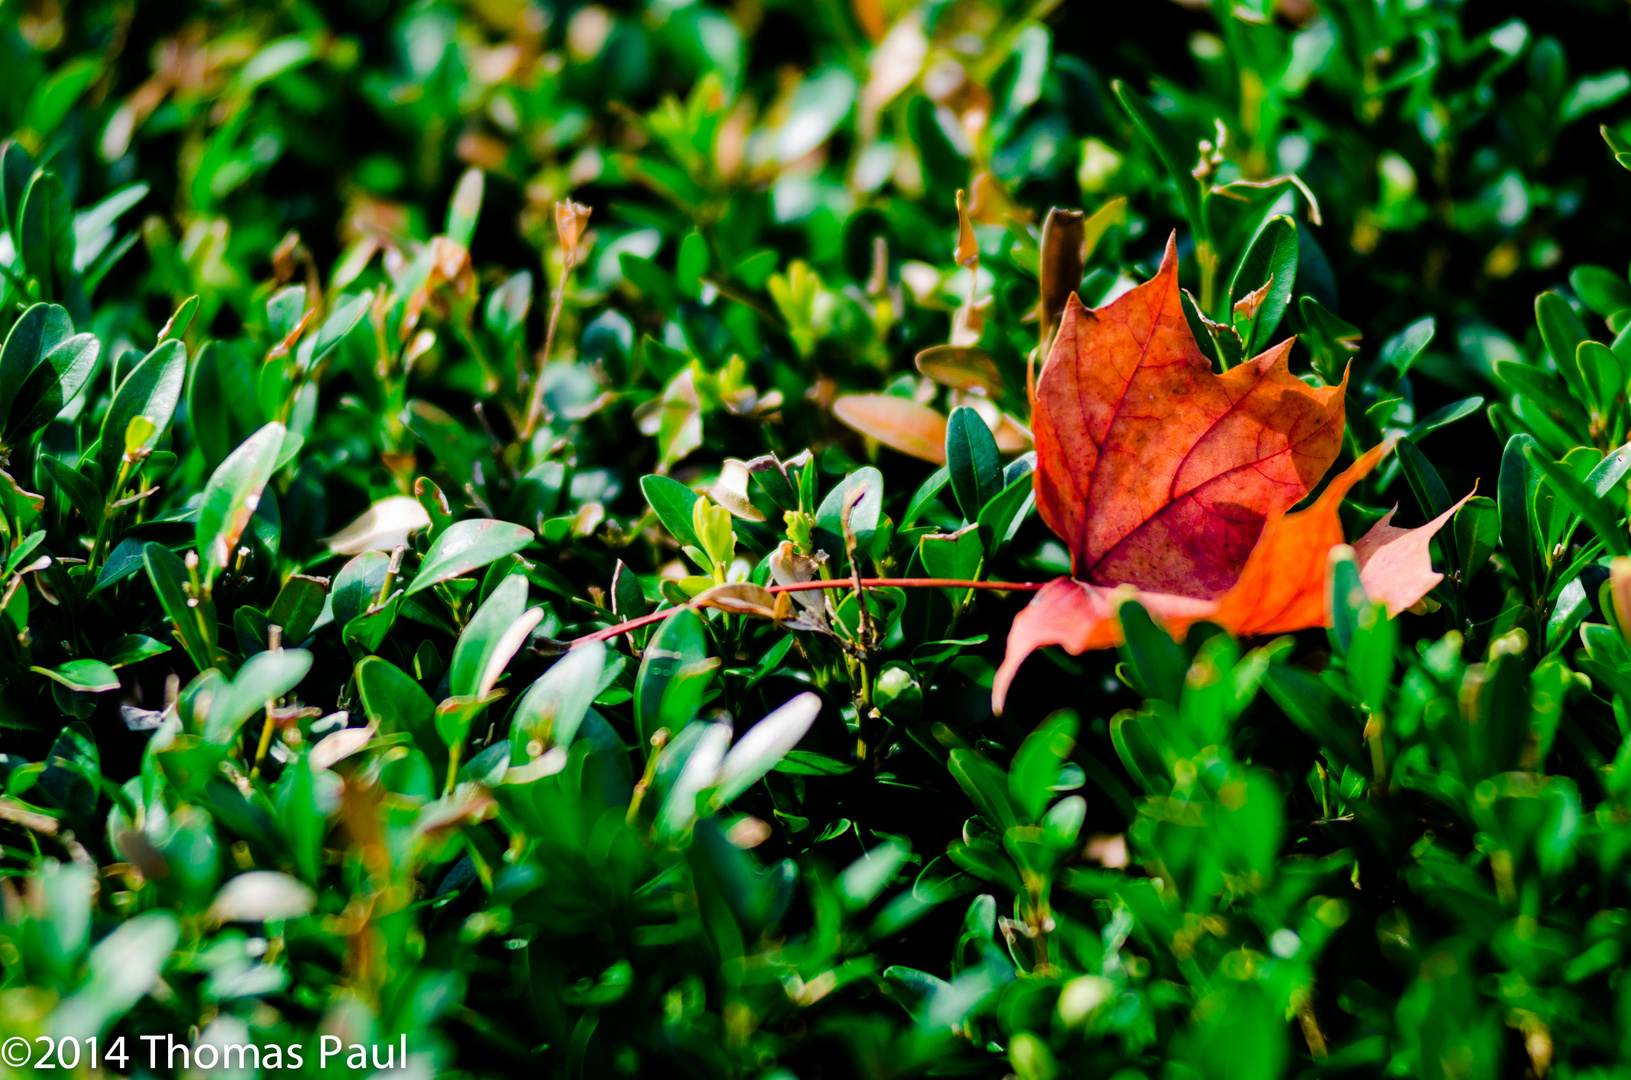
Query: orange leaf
[[1282, 587], [899, 423], [1078, 617], [1395, 567], [1155, 470]]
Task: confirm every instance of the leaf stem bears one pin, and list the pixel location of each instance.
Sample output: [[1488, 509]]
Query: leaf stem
[[108, 511], [836, 583], [535, 406]]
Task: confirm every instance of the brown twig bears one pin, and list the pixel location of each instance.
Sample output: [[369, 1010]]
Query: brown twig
[[836, 583]]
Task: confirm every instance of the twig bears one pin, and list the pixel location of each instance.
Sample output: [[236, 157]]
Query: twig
[[535, 406], [804, 586]]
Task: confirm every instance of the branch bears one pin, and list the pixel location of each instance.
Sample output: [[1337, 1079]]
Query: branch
[[804, 586]]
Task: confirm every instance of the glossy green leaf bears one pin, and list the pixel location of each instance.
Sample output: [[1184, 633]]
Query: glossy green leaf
[[263, 678], [972, 460], [152, 390], [231, 496], [553, 707], [1269, 263], [466, 546], [194, 623]]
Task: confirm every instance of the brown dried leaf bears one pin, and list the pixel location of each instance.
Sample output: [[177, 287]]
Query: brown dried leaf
[[899, 423], [961, 367]]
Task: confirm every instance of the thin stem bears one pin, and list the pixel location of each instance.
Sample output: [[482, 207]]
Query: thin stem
[[265, 744], [1378, 754], [108, 511], [837, 583], [911, 583], [453, 753], [535, 407]]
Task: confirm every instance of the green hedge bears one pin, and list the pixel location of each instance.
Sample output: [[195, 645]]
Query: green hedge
[[370, 368]]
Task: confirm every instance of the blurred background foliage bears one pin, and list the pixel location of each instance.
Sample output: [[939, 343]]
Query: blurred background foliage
[[415, 340]]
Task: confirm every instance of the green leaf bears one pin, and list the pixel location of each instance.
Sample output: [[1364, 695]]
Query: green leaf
[[1370, 656], [177, 324], [342, 319], [263, 679], [82, 494], [1443, 417], [1402, 350], [925, 494], [58, 378], [553, 707], [1344, 599], [1580, 499], [861, 495], [1035, 768], [1604, 375], [392, 699], [1562, 332], [298, 606], [1271, 260], [986, 785], [1606, 479], [494, 634], [1512, 497], [45, 234], [863, 880], [195, 625], [507, 306], [357, 586], [675, 504], [1320, 713], [954, 555], [1477, 531], [231, 496], [764, 745], [467, 546], [1158, 662], [133, 649], [152, 390], [1177, 156], [122, 968], [1001, 518], [1538, 388], [284, 310], [58, 92], [1602, 290], [677, 651], [1332, 340], [1431, 494], [464, 209], [82, 676], [973, 461], [41, 328]]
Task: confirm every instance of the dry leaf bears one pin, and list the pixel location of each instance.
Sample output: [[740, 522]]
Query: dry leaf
[[1063, 240], [738, 598], [966, 368], [571, 219], [1155, 470], [1395, 568], [1171, 485], [968, 250], [899, 423]]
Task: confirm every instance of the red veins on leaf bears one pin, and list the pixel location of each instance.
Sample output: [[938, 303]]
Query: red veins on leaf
[[1172, 484]]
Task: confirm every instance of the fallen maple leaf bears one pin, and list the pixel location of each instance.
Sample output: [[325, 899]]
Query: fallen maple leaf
[[1153, 468], [1171, 484]]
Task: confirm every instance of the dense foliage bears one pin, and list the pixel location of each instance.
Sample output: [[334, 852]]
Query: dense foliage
[[463, 472]]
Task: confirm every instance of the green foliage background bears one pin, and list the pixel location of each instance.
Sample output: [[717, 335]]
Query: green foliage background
[[323, 432]]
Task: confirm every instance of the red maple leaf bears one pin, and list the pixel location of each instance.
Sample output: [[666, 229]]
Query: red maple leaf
[[1171, 483]]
